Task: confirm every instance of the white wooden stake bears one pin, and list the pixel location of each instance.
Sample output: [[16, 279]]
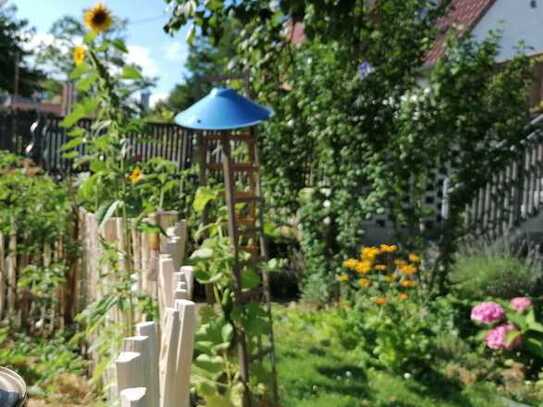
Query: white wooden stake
[[166, 286], [141, 345], [134, 397], [149, 329], [130, 369], [168, 358], [188, 272], [187, 315]]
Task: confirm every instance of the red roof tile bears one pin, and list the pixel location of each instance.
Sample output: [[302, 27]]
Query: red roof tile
[[462, 15]]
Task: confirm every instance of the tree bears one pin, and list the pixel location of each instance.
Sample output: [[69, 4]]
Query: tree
[[352, 117], [14, 34], [205, 61]]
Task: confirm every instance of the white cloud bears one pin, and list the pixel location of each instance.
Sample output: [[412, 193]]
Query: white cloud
[[157, 97], [142, 56], [176, 52]]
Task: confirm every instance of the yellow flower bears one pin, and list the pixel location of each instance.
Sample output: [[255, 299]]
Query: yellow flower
[[364, 283], [408, 283], [380, 267], [79, 55], [400, 263], [413, 258], [98, 18], [380, 301], [363, 267], [385, 248], [408, 269], [135, 176], [350, 264], [403, 296], [343, 278], [369, 253]]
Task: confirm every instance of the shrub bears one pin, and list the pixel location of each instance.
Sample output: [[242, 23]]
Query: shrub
[[496, 270]]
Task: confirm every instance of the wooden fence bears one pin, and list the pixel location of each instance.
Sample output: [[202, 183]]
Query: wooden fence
[[512, 195], [153, 370], [41, 137]]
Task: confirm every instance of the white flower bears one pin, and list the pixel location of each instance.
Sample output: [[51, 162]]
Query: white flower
[[290, 123], [326, 203], [348, 373], [407, 376], [326, 192], [326, 220]]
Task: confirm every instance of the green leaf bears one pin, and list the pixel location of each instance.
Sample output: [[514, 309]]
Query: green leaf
[[85, 83], [89, 37], [79, 70], [107, 211], [249, 279], [203, 196], [211, 364], [131, 72], [71, 144], [119, 45], [227, 332], [203, 253]]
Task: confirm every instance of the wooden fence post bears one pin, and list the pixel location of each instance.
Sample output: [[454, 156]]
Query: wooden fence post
[[134, 397], [187, 315], [168, 358], [149, 329], [130, 368]]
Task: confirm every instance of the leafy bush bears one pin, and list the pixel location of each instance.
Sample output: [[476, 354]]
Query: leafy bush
[[494, 270], [400, 335]]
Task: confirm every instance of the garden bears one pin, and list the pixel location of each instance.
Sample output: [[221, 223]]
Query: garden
[[372, 252]]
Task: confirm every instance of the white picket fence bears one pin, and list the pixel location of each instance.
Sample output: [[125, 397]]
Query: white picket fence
[[154, 368]]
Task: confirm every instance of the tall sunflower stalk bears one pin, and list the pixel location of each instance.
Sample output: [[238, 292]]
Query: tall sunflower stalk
[[109, 187]]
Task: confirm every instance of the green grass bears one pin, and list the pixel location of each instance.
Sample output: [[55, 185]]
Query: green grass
[[316, 371]]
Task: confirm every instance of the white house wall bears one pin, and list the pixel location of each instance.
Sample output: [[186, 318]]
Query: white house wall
[[519, 21]]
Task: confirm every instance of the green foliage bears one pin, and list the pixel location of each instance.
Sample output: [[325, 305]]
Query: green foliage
[[43, 363], [318, 369], [494, 270], [369, 143], [217, 370], [14, 35]]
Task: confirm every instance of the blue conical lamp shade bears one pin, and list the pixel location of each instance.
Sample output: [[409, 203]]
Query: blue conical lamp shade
[[223, 109]]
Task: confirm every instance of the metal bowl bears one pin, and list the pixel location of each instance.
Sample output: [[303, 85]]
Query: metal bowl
[[12, 389]]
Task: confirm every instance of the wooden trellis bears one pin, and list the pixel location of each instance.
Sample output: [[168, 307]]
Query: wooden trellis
[[245, 228]]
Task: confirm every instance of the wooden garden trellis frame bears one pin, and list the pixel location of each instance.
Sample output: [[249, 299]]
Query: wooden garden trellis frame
[[246, 234]]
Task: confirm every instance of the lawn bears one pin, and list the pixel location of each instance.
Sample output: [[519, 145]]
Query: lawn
[[315, 370]]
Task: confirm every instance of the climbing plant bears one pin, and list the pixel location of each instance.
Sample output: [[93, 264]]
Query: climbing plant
[[362, 119]]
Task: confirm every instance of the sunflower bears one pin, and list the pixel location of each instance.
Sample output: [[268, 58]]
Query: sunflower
[[98, 18], [135, 176], [79, 55]]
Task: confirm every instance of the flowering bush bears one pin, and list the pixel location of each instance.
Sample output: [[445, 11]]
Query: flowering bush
[[383, 272], [487, 313], [513, 325]]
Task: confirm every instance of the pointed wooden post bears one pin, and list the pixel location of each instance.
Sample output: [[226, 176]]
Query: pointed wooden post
[[187, 315], [168, 358], [149, 329]]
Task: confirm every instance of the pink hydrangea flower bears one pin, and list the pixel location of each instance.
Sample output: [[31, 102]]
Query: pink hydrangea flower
[[521, 304], [487, 313], [496, 338]]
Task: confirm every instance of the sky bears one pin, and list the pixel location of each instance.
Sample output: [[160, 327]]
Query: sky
[[159, 54]]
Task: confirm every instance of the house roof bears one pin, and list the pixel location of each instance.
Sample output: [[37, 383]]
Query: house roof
[[463, 16]]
